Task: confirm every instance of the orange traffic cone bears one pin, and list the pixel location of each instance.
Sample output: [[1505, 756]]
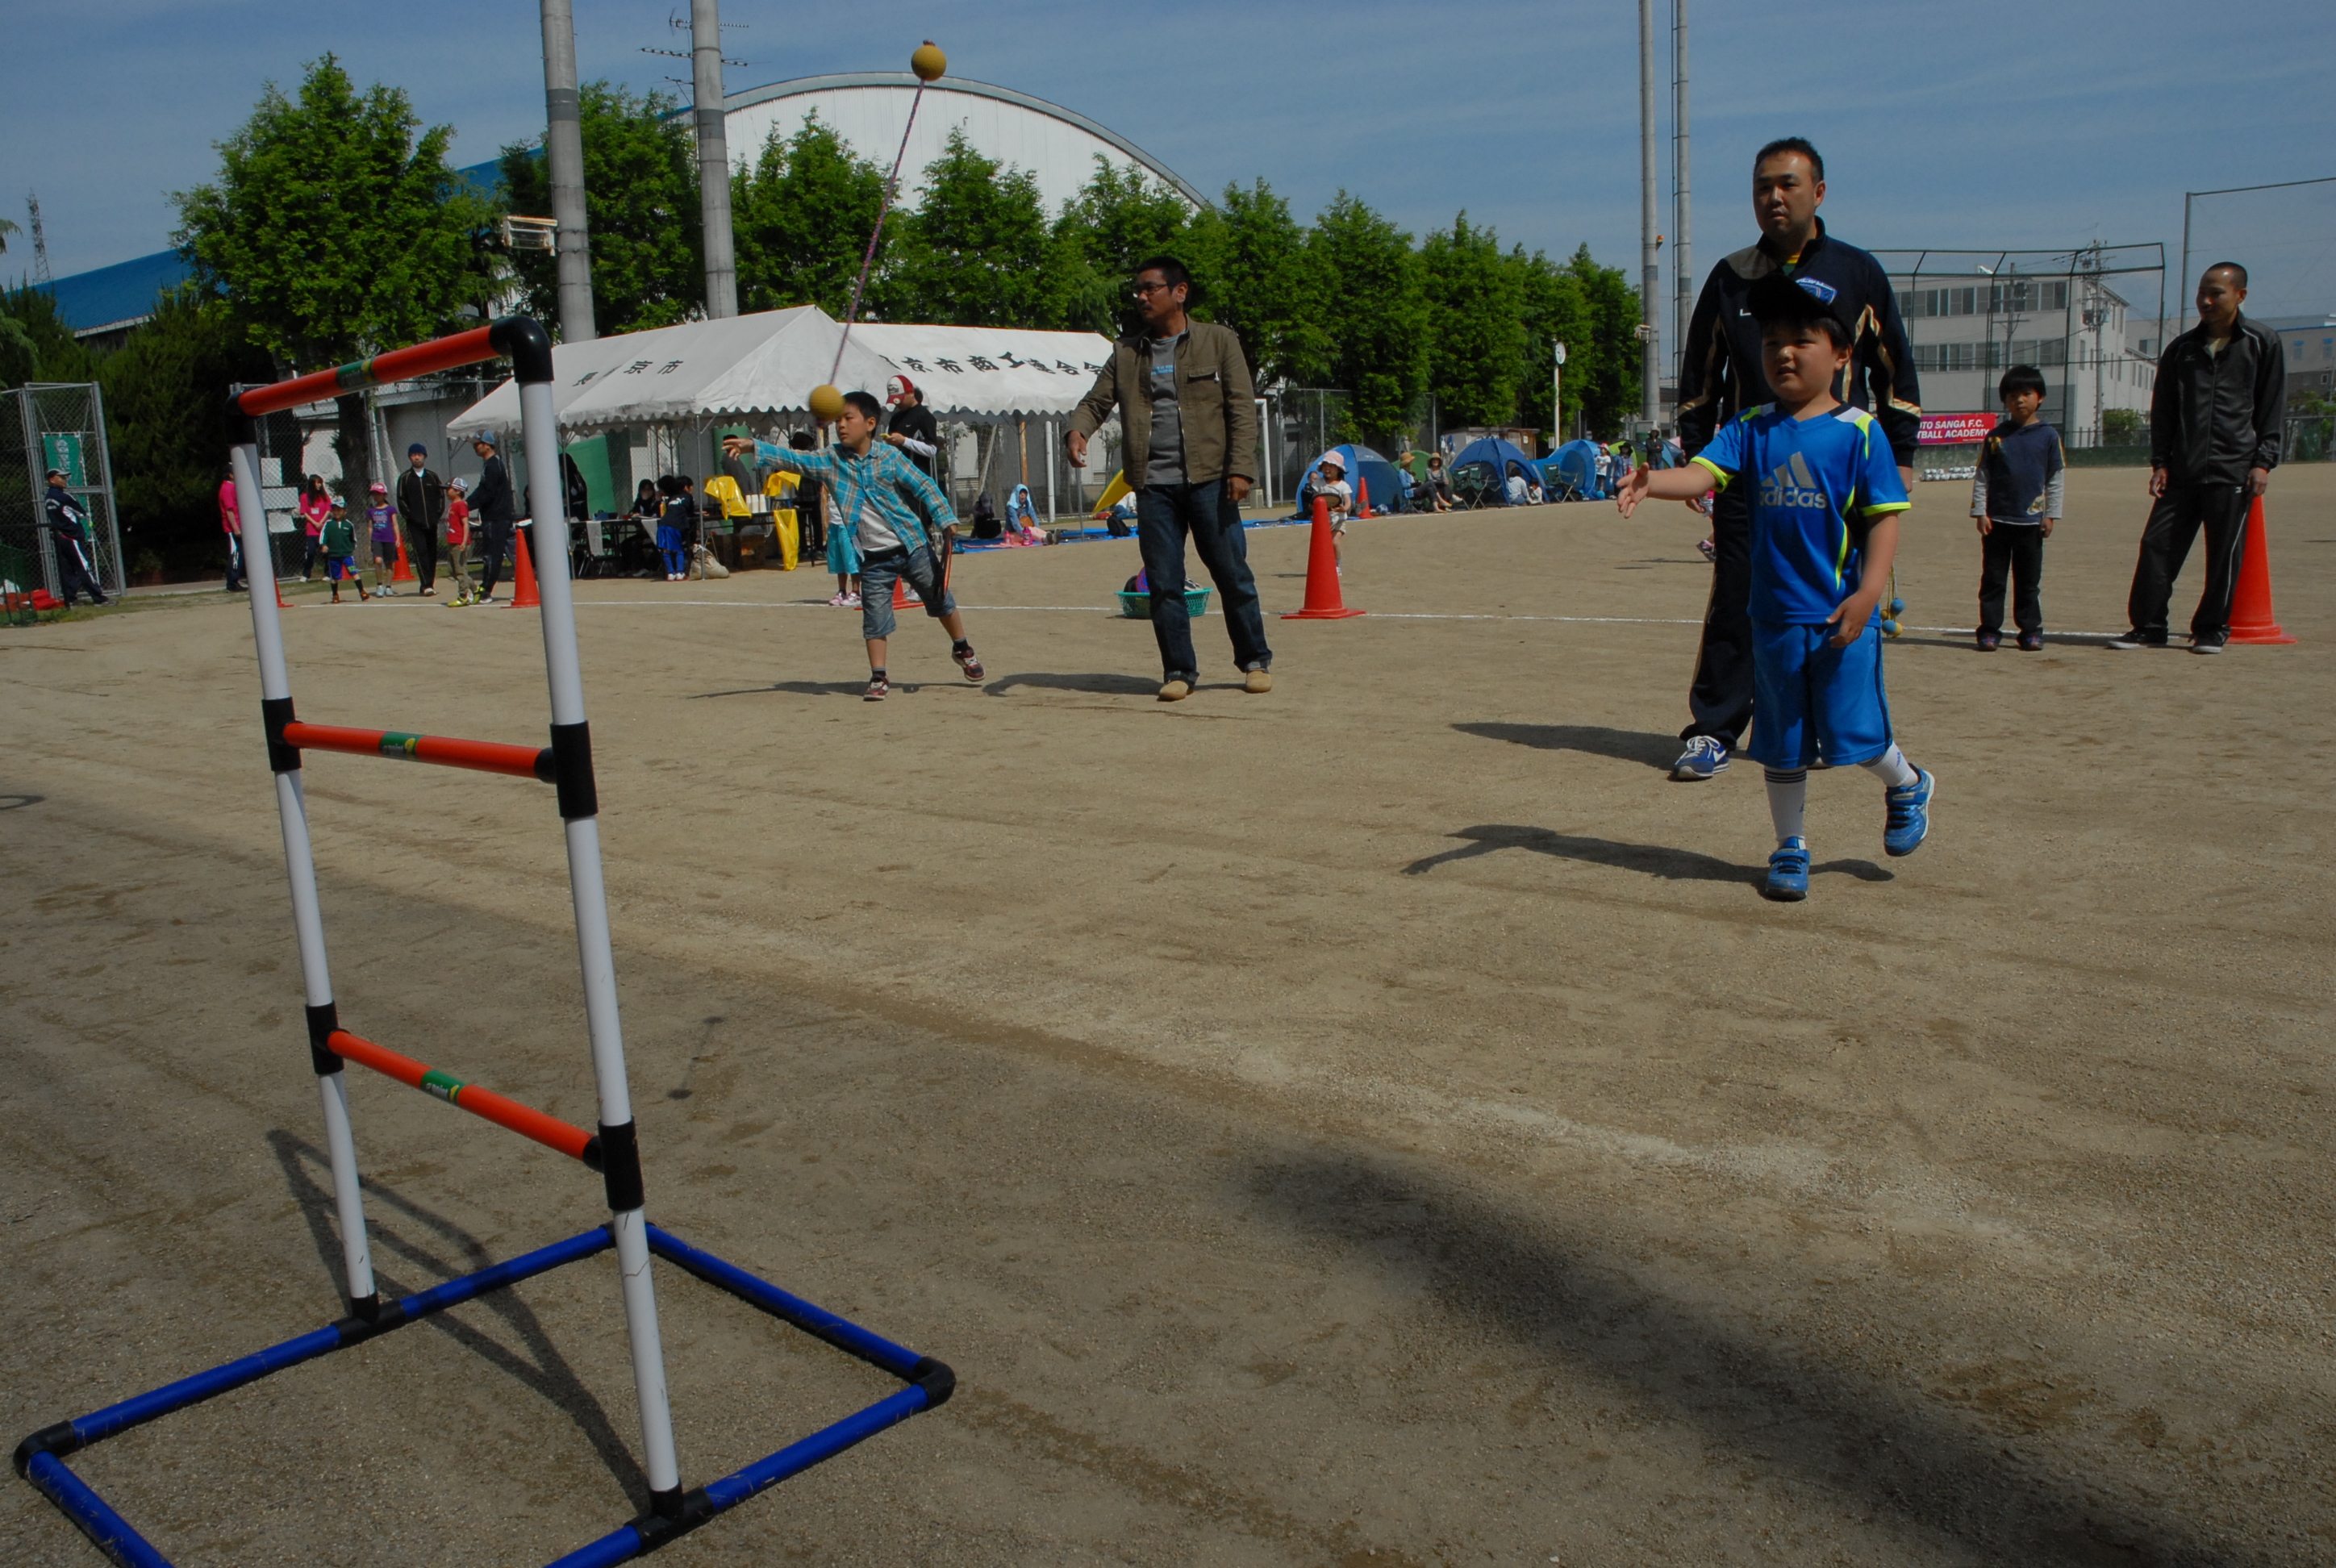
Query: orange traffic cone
[[1323, 601], [405, 572], [2250, 615], [523, 594], [905, 597], [1362, 496]]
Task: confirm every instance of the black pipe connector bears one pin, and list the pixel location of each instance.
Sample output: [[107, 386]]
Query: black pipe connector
[[571, 770], [620, 1166], [522, 340], [275, 713], [324, 1022]]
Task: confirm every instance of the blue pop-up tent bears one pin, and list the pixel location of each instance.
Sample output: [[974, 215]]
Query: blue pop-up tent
[[1576, 464], [1484, 467], [1367, 470]]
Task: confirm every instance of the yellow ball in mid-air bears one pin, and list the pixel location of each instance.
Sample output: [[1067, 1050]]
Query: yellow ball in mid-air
[[928, 61], [826, 404]]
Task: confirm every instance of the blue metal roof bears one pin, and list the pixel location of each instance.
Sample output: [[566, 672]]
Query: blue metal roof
[[123, 292]]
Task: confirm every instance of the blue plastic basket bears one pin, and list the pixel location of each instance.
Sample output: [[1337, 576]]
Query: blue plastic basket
[[1138, 605]]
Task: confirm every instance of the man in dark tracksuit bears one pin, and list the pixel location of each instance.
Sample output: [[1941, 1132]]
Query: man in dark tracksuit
[[2216, 417], [61, 515], [1720, 376], [421, 497], [491, 503]]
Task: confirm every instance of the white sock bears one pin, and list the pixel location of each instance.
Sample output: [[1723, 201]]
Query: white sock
[[1891, 768], [1788, 802]]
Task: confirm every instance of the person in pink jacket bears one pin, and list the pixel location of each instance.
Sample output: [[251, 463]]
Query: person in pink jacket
[[316, 505], [229, 526]]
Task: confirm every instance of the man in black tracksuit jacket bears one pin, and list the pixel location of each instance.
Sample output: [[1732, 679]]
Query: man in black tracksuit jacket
[[1720, 377], [2216, 417], [64, 516], [491, 503]]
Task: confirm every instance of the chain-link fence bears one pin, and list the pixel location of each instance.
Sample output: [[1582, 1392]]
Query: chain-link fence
[[2311, 438], [60, 425], [17, 588], [2092, 319]]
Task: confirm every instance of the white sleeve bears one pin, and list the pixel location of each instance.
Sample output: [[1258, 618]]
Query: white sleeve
[[910, 445], [1979, 490]]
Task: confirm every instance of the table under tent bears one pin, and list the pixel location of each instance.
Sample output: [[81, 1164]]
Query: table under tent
[[646, 403]]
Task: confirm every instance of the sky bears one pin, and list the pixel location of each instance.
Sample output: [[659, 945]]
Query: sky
[[1979, 124]]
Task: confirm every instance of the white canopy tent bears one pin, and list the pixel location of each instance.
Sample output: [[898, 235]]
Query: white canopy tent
[[691, 374], [703, 373]]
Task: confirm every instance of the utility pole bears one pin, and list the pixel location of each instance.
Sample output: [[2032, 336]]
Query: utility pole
[[40, 242], [1682, 252], [713, 157], [563, 154], [1650, 304]]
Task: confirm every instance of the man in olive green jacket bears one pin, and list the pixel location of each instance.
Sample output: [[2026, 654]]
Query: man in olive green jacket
[[1189, 414]]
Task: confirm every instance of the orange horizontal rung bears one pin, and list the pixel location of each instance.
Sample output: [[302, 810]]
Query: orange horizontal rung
[[398, 364], [480, 755], [525, 1120]]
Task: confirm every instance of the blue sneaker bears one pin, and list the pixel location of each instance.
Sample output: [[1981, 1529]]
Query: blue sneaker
[[1703, 757], [1788, 873], [1908, 820]]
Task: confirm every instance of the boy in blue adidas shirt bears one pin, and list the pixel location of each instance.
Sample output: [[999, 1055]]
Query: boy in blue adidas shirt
[[2015, 494], [1824, 530]]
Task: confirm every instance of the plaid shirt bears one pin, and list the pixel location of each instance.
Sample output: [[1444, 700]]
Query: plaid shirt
[[903, 495]]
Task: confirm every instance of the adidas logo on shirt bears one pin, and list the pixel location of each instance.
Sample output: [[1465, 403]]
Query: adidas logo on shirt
[[1791, 484]]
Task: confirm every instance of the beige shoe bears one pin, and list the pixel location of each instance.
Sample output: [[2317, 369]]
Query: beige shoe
[[1257, 680], [1175, 691]]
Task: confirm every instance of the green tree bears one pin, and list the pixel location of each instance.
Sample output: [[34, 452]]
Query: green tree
[[1602, 366], [1256, 275], [977, 251], [2130, 426], [167, 428], [1553, 310], [1373, 314], [801, 217], [640, 205], [334, 231], [1119, 220], [1476, 330], [35, 344]]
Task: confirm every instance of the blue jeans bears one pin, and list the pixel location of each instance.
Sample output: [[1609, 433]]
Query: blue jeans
[[877, 575], [1164, 515]]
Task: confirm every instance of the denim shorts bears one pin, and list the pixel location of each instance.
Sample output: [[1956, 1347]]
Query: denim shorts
[[1813, 702], [877, 575]]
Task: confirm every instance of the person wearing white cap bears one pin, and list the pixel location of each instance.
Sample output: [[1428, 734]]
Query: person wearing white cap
[[912, 427]]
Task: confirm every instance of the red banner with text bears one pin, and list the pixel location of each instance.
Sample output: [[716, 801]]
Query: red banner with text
[[1955, 429]]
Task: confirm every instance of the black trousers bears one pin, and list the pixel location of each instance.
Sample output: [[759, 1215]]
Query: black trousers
[[1719, 699], [2165, 542], [73, 574], [499, 544], [2015, 548], [422, 549]]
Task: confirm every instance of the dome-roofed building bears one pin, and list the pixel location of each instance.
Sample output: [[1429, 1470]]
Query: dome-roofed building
[[868, 109]]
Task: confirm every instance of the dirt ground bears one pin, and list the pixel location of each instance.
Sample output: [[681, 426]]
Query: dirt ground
[[1377, 1121]]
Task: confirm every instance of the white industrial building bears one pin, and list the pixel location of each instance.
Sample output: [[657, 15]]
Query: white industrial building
[[1967, 327]]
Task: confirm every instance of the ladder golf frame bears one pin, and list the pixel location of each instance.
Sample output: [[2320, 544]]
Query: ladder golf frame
[[613, 1150]]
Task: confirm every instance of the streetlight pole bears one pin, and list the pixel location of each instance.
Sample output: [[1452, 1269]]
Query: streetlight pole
[[1682, 252], [1649, 242], [563, 153], [713, 157]]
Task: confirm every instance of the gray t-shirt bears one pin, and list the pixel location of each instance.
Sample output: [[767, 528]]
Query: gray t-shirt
[[1164, 462]]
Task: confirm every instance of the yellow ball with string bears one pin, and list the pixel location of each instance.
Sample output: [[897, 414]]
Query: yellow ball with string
[[928, 61]]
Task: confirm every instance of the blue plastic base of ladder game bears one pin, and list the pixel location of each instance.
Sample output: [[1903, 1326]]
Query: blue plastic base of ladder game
[[40, 1458]]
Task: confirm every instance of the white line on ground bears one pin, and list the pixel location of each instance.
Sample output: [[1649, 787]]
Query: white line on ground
[[1376, 614]]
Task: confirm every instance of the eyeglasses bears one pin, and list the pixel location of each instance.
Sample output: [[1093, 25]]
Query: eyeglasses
[[1141, 289]]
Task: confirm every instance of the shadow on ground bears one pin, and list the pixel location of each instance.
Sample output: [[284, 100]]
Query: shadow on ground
[[1869, 1437], [538, 1366], [1657, 751], [1099, 684], [1671, 865]]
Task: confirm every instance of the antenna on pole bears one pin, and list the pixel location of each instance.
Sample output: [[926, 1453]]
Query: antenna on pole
[[40, 242]]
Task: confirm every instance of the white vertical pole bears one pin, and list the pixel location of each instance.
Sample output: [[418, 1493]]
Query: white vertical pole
[[563, 156], [546, 504], [1048, 442], [300, 869], [1650, 304]]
